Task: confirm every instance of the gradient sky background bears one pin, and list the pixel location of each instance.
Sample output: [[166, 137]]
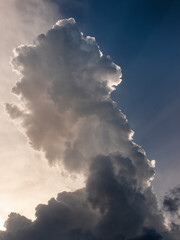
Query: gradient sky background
[[143, 37]]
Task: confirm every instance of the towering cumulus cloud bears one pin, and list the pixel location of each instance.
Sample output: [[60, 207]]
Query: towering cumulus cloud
[[66, 111]]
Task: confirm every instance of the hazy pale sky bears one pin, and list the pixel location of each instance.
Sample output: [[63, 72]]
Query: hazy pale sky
[[25, 176]]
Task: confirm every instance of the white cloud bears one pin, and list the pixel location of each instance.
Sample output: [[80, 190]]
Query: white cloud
[[68, 114], [65, 90]]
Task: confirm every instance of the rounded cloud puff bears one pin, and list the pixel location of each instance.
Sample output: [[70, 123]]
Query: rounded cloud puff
[[66, 112]]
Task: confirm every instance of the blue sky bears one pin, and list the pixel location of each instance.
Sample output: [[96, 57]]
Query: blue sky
[[142, 37]]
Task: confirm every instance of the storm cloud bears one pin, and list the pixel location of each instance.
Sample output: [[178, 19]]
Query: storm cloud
[[109, 207], [171, 201], [66, 112]]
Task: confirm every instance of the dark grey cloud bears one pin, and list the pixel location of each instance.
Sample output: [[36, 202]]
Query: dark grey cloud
[[171, 206], [66, 111], [67, 217], [149, 234], [108, 208], [125, 209], [171, 201]]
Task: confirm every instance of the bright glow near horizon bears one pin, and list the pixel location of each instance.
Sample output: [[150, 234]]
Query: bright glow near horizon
[[2, 228]]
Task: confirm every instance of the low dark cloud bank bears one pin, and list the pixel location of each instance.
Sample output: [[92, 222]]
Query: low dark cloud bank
[[109, 207], [66, 111]]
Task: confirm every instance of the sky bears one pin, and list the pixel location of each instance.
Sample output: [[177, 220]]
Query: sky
[[142, 37], [61, 128], [21, 168]]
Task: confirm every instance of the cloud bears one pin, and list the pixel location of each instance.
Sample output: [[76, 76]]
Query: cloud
[[171, 206], [149, 234], [112, 189], [22, 169], [171, 201], [66, 111], [65, 89], [109, 207]]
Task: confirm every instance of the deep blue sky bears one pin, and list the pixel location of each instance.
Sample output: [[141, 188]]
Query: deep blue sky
[[143, 37]]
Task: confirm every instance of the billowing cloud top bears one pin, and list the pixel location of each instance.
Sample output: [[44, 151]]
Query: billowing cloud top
[[66, 111], [65, 89]]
